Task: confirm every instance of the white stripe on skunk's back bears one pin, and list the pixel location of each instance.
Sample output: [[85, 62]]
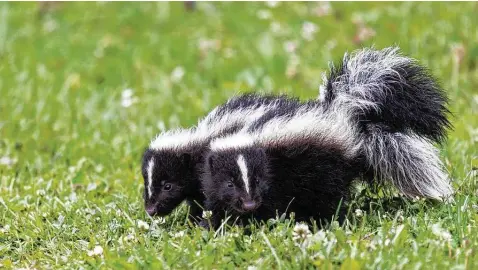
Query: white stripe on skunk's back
[[238, 140], [208, 128], [310, 123]]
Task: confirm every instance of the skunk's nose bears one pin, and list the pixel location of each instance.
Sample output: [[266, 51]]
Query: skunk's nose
[[151, 210], [249, 205]]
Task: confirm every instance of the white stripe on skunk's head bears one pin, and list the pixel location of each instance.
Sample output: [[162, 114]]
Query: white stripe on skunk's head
[[150, 171], [241, 162]]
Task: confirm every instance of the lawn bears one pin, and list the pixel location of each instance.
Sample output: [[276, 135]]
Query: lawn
[[84, 87]]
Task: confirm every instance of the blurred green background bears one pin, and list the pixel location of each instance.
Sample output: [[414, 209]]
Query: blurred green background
[[85, 86]]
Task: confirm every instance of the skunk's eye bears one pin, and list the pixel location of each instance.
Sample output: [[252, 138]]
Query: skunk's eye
[[257, 180], [230, 184], [167, 187]]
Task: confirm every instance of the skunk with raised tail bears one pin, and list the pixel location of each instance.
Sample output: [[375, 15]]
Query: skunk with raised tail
[[378, 111]]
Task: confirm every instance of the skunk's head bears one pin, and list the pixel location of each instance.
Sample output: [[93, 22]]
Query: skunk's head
[[166, 180], [235, 180]]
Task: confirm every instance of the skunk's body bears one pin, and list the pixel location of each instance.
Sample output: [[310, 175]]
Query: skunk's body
[[170, 164], [379, 111]]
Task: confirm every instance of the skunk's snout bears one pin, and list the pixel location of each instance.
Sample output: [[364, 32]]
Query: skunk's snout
[[249, 205], [151, 210]]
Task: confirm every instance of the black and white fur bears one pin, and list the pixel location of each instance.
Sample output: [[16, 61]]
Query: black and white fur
[[378, 111], [301, 161], [170, 164], [401, 111]]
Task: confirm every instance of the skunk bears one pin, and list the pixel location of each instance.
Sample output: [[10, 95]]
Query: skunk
[[302, 161], [378, 111], [169, 165]]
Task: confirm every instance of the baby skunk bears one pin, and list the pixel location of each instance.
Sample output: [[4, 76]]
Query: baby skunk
[[304, 161], [169, 165]]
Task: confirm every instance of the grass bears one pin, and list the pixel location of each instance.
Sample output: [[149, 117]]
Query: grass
[[71, 136]]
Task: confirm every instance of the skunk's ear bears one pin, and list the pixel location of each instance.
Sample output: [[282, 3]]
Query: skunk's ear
[[211, 162]]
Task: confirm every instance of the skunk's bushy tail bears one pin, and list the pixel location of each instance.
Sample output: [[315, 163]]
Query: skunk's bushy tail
[[410, 162], [400, 111], [382, 86]]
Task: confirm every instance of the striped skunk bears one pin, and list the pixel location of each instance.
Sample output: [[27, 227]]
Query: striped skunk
[[378, 111], [302, 161], [169, 165]]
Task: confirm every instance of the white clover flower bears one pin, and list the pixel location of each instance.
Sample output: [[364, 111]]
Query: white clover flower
[[129, 238], [358, 212], [229, 53], [440, 232], [177, 74], [127, 93], [72, 169], [308, 30], [301, 232], [160, 220], [275, 27], [143, 225], [364, 33], [330, 44], [41, 192], [127, 98], [206, 214], [290, 46], [91, 186], [272, 4], [205, 45], [264, 14], [7, 161], [126, 103], [5, 229], [319, 237], [322, 9], [178, 234], [50, 25], [97, 251]]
